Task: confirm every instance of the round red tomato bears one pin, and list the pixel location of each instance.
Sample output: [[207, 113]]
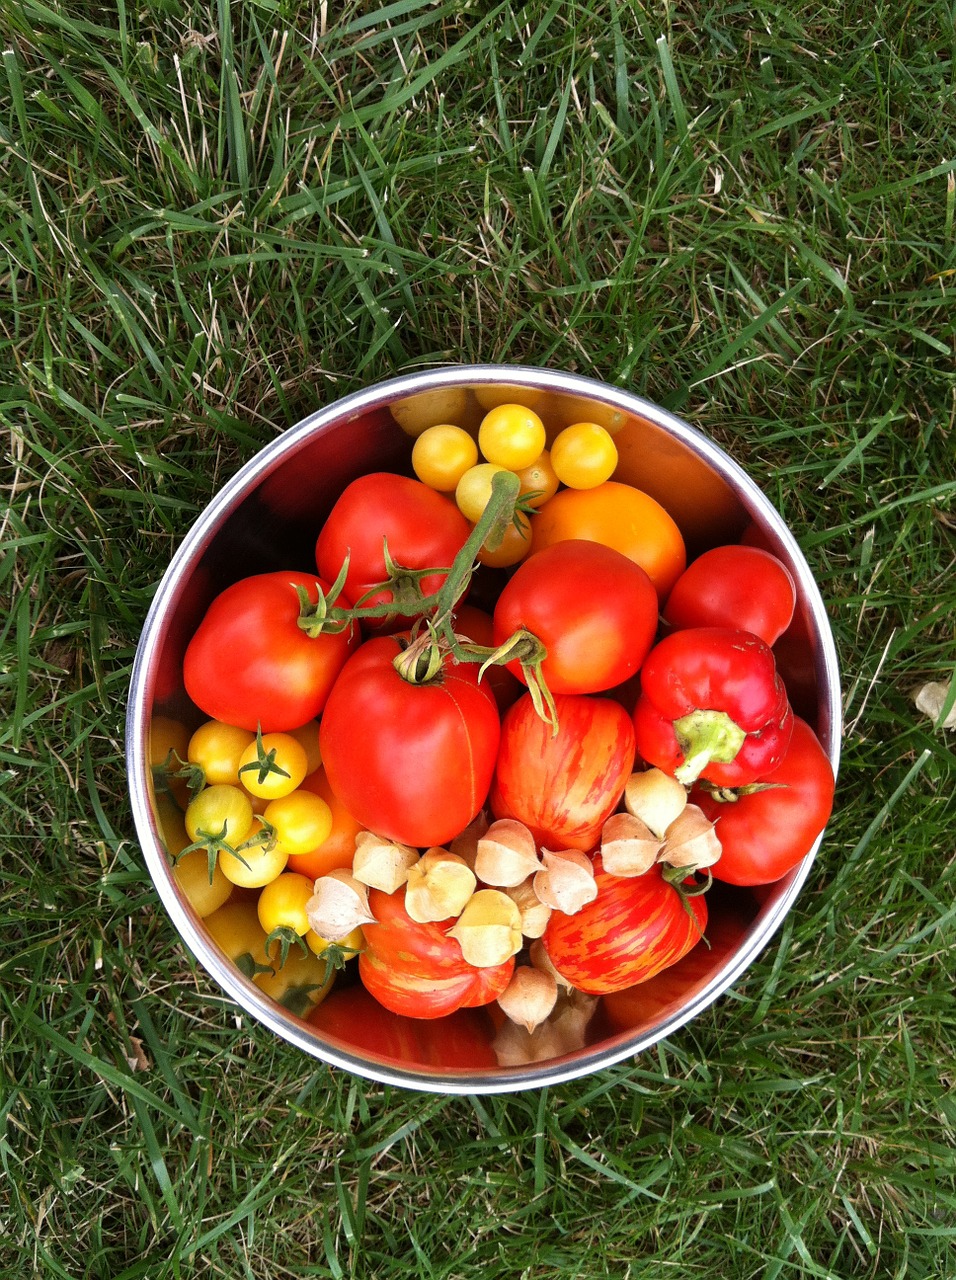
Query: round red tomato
[[563, 786], [632, 930], [766, 833], [422, 528], [461, 1040], [417, 970], [250, 664], [735, 586], [593, 609], [619, 516], [410, 761]]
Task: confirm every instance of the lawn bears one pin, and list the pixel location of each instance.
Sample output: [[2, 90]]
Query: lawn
[[217, 218]]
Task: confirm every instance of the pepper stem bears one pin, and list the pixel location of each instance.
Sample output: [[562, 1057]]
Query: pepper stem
[[706, 737]]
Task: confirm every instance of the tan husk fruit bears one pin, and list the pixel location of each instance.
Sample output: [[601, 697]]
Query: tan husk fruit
[[628, 846], [534, 913], [382, 863], [691, 841], [507, 854], [338, 905], [529, 997], [562, 1032], [438, 886], [488, 929], [566, 881], [465, 844], [656, 798]]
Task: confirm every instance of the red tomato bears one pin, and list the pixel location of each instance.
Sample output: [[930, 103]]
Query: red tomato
[[251, 665], [409, 761], [741, 587], [619, 516], [459, 1041], [563, 786], [667, 992], [338, 850], [423, 530], [766, 833], [632, 930], [594, 610], [417, 970]]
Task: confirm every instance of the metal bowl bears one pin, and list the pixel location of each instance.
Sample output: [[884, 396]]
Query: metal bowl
[[267, 517]]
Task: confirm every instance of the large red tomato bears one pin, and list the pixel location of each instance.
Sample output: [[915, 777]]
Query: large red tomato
[[250, 663], [765, 833], [619, 516], [423, 530], [409, 761], [593, 609], [563, 786], [632, 930], [459, 1041], [741, 587], [417, 970]]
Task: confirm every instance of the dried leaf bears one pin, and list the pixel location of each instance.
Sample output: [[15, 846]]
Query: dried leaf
[[931, 699]]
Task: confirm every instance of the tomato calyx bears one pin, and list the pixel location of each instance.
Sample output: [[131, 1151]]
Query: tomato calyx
[[688, 887], [264, 764], [422, 660], [174, 768], [730, 795], [706, 737], [286, 938], [215, 842]]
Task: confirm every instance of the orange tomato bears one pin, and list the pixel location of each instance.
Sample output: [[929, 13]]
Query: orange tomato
[[338, 849], [619, 516]]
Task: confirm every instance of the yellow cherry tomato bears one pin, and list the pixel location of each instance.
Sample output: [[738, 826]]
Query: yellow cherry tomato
[[219, 812], [273, 766], [302, 982], [236, 930], [217, 748], [308, 738], [301, 821], [355, 942], [283, 901], [253, 865], [441, 456], [584, 455], [514, 546], [191, 873], [473, 490], [538, 482], [512, 436]]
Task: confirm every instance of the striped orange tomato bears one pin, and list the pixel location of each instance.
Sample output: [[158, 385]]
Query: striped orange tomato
[[633, 929]]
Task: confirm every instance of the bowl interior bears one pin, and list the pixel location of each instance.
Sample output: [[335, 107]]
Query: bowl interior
[[268, 517]]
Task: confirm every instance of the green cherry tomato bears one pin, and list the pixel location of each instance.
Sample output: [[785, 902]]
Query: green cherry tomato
[[441, 456], [473, 490], [584, 455], [511, 436], [219, 812]]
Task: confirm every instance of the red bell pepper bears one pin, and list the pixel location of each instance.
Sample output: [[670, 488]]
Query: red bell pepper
[[712, 706]]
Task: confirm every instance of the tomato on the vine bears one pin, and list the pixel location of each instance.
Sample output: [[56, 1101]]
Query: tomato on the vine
[[412, 761], [594, 610], [250, 664], [633, 929], [619, 516], [422, 529]]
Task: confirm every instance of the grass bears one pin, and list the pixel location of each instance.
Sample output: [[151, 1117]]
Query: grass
[[216, 217]]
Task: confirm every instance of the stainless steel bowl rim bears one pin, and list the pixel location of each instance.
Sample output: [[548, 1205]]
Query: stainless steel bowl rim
[[245, 992]]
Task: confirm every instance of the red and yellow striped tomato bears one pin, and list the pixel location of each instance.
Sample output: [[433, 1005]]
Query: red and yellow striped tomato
[[632, 930]]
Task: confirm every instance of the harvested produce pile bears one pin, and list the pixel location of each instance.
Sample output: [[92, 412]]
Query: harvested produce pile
[[523, 805]]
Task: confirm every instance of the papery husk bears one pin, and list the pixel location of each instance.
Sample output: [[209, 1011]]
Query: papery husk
[[381, 863], [566, 882], [534, 913], [465, 844], [563, 1031], [488, 929], [438, 886], [656, 798], [691, 841], [507, 854], [540, 959], [338, 905], [628, 846], [529, 997]]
